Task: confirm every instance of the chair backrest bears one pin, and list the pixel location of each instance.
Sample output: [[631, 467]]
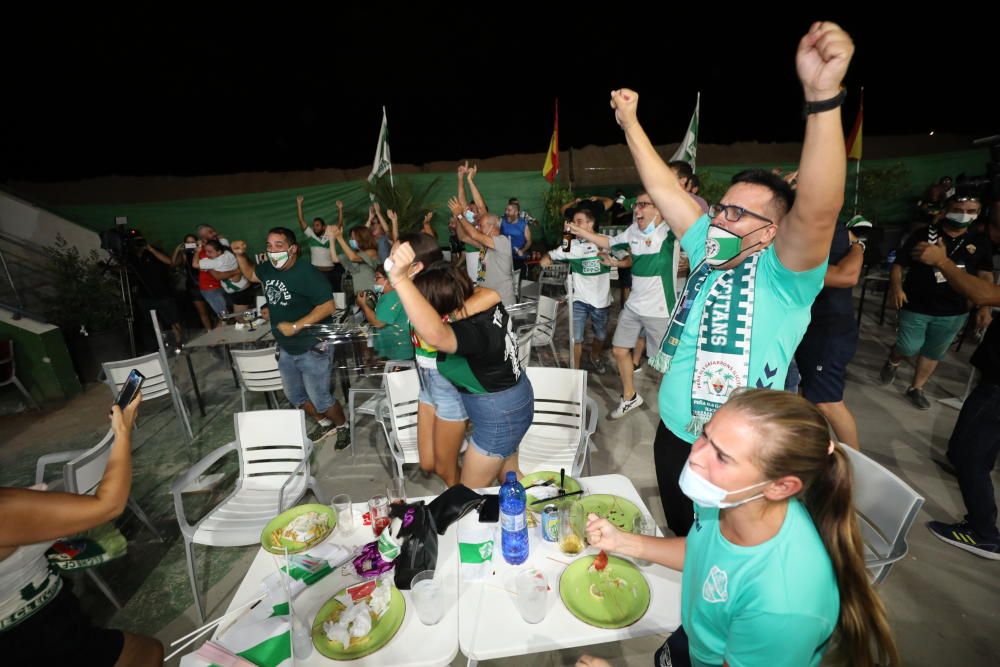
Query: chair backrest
[[258, 369], [402, 391], [157, 383], [272, 444], [554, 274], [545, 320], [886, 507], [524, 347], [261, 302], [82, 474], [340, 300], [558, 427], [6, 360]]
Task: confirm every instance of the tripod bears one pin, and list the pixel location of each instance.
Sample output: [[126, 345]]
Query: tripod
[[120, 265]]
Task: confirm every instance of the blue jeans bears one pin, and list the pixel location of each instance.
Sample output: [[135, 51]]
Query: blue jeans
[[598, 321], [306, 378], [217, 300], [500, 419], [973, 450], [438, 392]]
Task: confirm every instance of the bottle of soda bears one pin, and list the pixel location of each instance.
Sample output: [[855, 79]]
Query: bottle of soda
[[513, 521], [567, 241]]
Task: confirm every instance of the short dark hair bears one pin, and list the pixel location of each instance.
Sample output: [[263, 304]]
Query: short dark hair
[[683, 168], [286, 232], [514, 201], [445, 286], [587, 212], [319, 220], [219, 248], [425, 247], [695, 181], [782, 194]]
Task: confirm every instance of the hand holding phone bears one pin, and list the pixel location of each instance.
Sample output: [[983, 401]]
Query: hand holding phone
[[129, 389]]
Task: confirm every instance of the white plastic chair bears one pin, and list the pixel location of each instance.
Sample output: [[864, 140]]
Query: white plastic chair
[[8, 373], [375, 395], [886, 507], [81, 474], [258, 371], [398, 417], [529, 290], [524, 346], [273, 453], [159, 382], [261, 302], [544, 328], [565, 419], [554, 275]]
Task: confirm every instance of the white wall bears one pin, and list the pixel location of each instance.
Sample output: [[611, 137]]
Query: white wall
[[26, 221]]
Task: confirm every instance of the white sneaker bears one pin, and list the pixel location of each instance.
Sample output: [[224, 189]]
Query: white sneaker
[[626, 407], [324, 422]]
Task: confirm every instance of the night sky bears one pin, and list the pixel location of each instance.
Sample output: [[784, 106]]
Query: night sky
[[188, 95]]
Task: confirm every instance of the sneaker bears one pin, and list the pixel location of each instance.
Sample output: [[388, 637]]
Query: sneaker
[[324, 429], [626, 407], [637, 368], [888, 373], [961, 535], [599, 366], [917, 397], [343, 437]]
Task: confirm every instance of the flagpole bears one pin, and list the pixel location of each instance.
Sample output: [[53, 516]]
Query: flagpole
[[391, 181]]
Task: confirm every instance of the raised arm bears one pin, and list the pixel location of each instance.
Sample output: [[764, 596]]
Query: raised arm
[[426, 226], [476, 197], [600, 240], [678, 209], [461, 171], [298, 207], [803, 238], [423, 318], [381, 220], [239, 249], [462, 226], [160, 257], [394, 219]]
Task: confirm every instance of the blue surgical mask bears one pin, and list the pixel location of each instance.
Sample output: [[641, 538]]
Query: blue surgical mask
[[378, 288], [470, 216], [704, 493], [353, 244], [649, 229]]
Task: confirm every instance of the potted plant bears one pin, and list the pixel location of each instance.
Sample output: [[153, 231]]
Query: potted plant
[[87, 304], [410, 203]]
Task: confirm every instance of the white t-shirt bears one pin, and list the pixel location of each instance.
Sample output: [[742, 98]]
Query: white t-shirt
[[224, 263], [319, 249], [654, 268], [591, 278]]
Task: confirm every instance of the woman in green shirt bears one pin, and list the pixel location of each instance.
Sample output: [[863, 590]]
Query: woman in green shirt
[[392, 335], [358, 255], [774, 582]]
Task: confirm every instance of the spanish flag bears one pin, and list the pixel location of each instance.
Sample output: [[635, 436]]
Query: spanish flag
[[854, 139], [551, 167]]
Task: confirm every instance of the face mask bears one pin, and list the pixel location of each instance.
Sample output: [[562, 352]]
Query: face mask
[[470, 216], [706, 494], [722, 245], [353, 244], [961, 219], [278, 259], [378, 288]]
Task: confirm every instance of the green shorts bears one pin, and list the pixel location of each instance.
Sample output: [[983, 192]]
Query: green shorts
[[930, 336]]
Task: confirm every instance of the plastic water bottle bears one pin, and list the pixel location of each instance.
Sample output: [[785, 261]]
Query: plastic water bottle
[[513, 521]]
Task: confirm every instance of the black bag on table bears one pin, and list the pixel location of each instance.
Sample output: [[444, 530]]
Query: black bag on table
[[420, 546]]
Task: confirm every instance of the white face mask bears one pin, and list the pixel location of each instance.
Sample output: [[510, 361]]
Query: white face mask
[[961, 219], [706, 494], [278, 259]]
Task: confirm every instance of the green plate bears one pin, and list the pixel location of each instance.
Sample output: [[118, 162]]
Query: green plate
[[279, 522], [618, 511], [544, 476], [596, 599], [383, 629]]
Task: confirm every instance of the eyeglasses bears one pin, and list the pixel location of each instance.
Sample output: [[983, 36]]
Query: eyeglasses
[[733, 213], [639, 205]]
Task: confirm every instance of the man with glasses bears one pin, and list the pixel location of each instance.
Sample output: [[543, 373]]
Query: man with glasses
[[654, 265], [757, 263]]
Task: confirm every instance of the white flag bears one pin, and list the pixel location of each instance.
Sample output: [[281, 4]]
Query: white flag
[[382, 163], [688, 150]]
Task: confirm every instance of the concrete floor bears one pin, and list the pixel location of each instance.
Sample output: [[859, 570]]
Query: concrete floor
[[941, 601]]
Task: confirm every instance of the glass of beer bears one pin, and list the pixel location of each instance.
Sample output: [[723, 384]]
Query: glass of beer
[[571, 528]]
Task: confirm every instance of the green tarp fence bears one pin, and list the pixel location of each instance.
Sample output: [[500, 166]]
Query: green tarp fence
[[249, 216]]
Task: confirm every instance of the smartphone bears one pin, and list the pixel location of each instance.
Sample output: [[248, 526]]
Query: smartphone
[[130, 388], [489, 511], [190, 246]]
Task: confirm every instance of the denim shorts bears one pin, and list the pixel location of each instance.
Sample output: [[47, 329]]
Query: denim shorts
[[437, 391], [217, 300], [306, 377], [598, 321], [500, 420]]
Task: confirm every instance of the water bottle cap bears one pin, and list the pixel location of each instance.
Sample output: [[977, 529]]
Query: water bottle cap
[[511, 476]]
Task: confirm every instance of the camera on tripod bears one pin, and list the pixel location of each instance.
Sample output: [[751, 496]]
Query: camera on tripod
[[120, 241]]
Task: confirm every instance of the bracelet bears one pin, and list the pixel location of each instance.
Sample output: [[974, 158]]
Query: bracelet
[[824, 105]]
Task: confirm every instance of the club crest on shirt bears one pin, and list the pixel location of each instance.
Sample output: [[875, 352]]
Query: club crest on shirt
[[716, 586], [971, 249]]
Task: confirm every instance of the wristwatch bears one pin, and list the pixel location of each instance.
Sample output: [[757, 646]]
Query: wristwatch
[[824, 105]]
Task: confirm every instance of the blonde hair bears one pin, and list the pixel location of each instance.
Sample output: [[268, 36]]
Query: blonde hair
[[794, 439]]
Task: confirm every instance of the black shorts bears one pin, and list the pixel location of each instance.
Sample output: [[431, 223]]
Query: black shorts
[[823, 355], [60, 634], [247, 297], [625, 278], [334, 278]]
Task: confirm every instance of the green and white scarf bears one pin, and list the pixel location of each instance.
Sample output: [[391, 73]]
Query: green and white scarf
[[722, 359]]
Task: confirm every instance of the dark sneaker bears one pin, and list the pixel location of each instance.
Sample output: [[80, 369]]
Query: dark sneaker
[[917, 397], [961, 535], [637, 368], [600, 367], [343, 437], [888, 373]]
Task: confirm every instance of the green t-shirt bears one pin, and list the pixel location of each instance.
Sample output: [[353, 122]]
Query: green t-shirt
[[776, 603], [781, 311], [291, 294], [393, 340]]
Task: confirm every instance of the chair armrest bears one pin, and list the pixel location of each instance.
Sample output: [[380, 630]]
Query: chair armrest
[[591, 415], [300, 469], [57, 457], [193, 473]]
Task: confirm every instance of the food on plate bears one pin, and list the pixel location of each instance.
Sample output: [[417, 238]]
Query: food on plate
[[303, 528]]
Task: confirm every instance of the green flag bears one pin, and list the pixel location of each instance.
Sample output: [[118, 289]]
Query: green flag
[[688, 150]]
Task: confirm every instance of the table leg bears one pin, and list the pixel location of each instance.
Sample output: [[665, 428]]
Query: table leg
[[194, 384], [232, 367], [885, 297], [861, 301]]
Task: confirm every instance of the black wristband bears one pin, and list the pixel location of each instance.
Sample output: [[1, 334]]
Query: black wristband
[[823, 105]]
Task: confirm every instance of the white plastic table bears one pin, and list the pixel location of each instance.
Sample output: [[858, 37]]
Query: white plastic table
[[490, 626], [414, 645]]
